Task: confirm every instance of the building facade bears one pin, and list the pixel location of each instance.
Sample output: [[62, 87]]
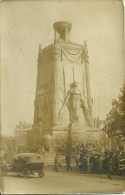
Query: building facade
[[20, 134]]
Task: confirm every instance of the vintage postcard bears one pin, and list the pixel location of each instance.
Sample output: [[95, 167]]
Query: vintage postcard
[[62, 97]]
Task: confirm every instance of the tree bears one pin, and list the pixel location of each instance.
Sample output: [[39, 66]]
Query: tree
[[116, 117]]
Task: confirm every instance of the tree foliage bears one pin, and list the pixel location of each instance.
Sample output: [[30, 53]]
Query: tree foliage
[[116, 117]]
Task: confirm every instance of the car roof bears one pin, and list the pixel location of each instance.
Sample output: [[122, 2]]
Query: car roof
[[27, 154]]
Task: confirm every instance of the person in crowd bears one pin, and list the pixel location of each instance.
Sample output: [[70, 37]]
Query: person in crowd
[[80, 162], [96, 164], [100, 164], [114, 163], [88, 164], [68, 161], [56, 164], [93, 160], [109, 167], [91, 163], [117, 162], [106, 163], [84, 164], [76, 156]]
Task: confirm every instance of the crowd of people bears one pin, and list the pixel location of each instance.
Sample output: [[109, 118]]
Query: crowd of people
[[106, 163]]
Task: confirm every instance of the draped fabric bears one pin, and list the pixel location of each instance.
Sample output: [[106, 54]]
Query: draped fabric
[[54, 79], [44, 92], [71, 55], [43, 112]]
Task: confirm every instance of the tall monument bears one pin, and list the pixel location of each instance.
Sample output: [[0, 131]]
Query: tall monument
[[63, 99]]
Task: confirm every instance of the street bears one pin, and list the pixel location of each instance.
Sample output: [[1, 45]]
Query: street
[[62, 182]]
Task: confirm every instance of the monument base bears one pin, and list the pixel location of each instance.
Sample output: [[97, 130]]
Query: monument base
[[49, 138], [83, 134], [76, 133], [49, 158]]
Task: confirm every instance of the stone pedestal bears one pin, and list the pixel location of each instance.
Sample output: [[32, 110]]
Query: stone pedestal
[[49, 158], [79, 133]]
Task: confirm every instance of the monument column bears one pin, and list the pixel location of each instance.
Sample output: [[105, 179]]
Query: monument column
[[37, 82], [56, 62], [89, 98]]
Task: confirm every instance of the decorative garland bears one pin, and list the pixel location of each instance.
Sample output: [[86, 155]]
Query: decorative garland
[[72, 57], [71, 54]]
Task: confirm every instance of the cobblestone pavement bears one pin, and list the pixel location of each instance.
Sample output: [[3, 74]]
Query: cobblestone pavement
[[62, 182]]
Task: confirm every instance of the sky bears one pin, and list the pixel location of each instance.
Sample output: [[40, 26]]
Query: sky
[[26, 24]]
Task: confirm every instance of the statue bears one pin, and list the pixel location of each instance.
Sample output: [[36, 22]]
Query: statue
[[74, 102]]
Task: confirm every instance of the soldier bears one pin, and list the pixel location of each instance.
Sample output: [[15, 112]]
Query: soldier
[[88, 164], [109, 166], [68, 161], [56, 165], [100, 164], [76, 156]]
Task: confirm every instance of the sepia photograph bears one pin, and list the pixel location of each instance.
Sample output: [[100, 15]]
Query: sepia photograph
[[62, 85]]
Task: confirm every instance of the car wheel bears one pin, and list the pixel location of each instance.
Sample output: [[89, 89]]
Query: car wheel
[[41, 174], [26, 172]]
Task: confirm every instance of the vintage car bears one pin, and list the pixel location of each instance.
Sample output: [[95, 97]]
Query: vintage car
[[28, 164], [3, 166]]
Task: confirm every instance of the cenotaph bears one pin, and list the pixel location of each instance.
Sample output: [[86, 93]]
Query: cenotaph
[[63, 101]]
